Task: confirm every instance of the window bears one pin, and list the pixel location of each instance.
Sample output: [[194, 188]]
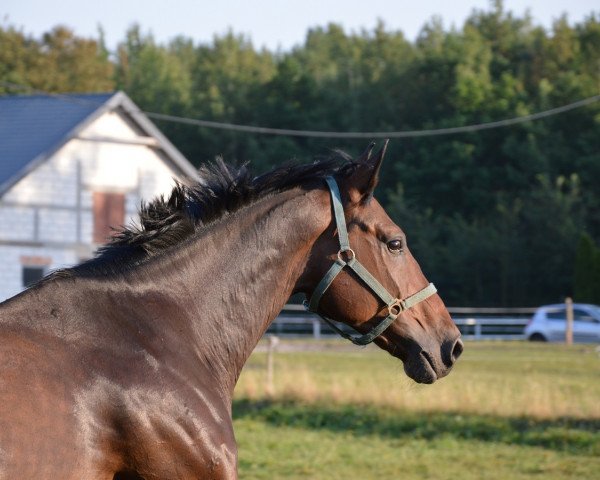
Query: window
[[33, 268], [559, 314], [579, 315], [582, 315], [32, 275], [109, 213]]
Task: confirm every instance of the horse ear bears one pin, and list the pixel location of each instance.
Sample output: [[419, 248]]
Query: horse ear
[[366, 155], [363, 181]]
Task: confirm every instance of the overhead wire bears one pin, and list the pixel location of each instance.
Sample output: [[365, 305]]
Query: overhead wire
[[337, 134]]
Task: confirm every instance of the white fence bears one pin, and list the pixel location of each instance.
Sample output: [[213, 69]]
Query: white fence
[[474, 323]]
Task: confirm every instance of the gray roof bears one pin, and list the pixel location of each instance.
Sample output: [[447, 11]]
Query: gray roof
[[33, 127]]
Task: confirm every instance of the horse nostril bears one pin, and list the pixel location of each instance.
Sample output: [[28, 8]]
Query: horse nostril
[[451, 351], [457, 350]]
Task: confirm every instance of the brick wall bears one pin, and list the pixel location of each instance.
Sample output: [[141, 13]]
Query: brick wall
[[57, 226], [16, 223], [53, 183]]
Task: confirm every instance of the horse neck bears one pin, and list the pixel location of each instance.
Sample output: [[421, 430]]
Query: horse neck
[[227, 285]]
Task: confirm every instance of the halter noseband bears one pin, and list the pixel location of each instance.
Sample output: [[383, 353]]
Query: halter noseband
[[395, 305]]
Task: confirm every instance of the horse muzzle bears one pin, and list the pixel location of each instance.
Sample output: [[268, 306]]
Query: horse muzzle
[[428, 364]]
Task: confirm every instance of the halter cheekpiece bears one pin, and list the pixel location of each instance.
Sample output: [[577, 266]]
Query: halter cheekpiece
[[347, 258]]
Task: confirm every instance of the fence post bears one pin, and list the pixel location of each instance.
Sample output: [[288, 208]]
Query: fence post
[[269, 386], [569, 327], [477, 330], [316, 329]]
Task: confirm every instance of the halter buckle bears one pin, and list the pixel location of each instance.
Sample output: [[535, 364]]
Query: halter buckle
[[347, 251], [396, 308]]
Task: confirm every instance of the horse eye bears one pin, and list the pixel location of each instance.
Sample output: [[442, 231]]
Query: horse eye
[[395, 246]]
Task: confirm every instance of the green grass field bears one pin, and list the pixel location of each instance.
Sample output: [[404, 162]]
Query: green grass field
[[507, 411]]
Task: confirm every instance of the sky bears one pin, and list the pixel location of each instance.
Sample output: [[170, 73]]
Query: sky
[[274, 24]]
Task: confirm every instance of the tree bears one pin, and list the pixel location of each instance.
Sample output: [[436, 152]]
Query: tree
[[494, 217], [587, 271], [59, 62]]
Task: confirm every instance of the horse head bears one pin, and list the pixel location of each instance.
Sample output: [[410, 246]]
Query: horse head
[[361, 273]]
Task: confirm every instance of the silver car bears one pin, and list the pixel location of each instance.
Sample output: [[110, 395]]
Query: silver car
[[549, 323]]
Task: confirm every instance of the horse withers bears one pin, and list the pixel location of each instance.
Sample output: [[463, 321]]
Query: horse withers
[[124, 367]]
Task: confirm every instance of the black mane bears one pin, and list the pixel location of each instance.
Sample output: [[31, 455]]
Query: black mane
[[222, 190]]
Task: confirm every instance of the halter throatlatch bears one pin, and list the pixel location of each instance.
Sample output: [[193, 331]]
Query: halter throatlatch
[[347, 258]]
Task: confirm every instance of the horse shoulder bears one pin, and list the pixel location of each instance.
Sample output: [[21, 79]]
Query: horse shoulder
[[159, 423]]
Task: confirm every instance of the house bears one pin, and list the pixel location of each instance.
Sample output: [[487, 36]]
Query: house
[[72, 166]]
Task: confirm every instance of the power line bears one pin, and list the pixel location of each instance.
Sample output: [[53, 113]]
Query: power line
[[392, 134], [348, 135]]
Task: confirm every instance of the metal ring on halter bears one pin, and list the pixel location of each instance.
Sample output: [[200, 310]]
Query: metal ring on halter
[[350, 252], [396, 308]]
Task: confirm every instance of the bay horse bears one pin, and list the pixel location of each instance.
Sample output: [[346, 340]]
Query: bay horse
[[124, 367]]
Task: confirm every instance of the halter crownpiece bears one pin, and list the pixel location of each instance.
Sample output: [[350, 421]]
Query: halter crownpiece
[[395, 305]]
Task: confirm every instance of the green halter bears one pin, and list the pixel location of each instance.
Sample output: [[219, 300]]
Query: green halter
[[395, 305]]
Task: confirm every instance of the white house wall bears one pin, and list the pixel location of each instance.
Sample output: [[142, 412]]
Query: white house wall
[[113, 124], [16, 223], [53, 183], [49, 212], [11, 259]]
